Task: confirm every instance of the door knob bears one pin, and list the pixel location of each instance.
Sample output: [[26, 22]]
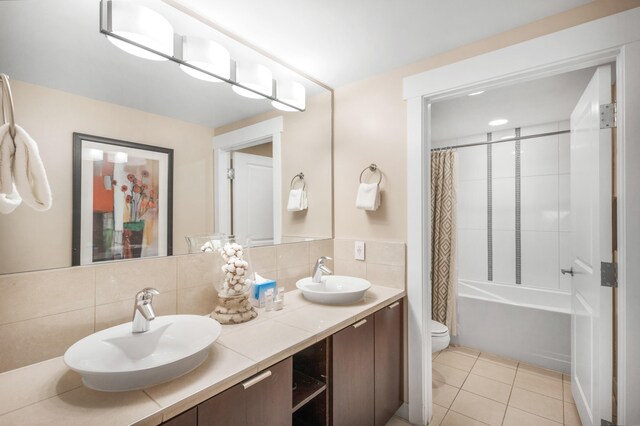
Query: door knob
[[567, 271]]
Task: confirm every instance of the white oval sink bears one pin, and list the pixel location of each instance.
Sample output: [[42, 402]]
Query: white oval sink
[[334, 289], [116, 359]]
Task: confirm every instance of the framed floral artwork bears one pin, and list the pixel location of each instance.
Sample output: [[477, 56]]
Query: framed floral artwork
[[122, 200]]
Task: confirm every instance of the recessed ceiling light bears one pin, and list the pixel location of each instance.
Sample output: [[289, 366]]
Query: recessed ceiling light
[[498, 122], [476, 93]]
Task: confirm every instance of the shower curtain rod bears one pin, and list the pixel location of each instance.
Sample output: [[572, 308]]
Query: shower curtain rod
[[539, 135]]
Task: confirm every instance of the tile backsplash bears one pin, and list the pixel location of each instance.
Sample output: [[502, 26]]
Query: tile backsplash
[[384, 262], [42, 313]]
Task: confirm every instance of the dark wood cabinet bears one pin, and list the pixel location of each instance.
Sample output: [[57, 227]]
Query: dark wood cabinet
[[353, 378], [260, 400], [188, 418], [226, 408], [269, 399], [353, 374], [367, 372], [388, 361]]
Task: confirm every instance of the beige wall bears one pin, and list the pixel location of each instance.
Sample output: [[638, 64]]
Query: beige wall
[[306, 147], [33, 240], [370, 126]]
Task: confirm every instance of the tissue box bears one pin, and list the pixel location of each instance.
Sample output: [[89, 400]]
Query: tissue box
[[258, 291]]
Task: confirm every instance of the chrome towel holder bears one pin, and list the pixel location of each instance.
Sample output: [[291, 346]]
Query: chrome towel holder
[[373, 168], [298, 176]]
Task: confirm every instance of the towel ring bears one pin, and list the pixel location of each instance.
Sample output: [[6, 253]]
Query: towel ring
[[373, 169], [7, 104], [301, 177]]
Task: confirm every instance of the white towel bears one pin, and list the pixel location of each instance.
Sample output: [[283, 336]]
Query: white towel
[[9, 202], [9, 197], [28, 172], [7, 152], [297, 200], [368, 196]]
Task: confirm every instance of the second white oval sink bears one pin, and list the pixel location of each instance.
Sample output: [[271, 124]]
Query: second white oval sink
[[116, 359], [334, 289]]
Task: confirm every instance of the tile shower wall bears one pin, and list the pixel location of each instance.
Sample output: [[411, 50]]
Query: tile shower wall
[[544, 208], [42, 313]]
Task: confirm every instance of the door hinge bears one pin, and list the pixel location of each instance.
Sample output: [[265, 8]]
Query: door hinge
[[609, 274], [231, 174], [608, 115]]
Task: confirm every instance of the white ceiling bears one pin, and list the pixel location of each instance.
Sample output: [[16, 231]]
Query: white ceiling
[[56, 43], [342, 41], [545, 100]]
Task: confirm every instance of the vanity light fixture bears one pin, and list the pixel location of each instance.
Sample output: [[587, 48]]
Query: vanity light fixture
[[143, 32], [476, 93], [498, 122], [256, 80], [291, 92], [205, 55], [139, 30]]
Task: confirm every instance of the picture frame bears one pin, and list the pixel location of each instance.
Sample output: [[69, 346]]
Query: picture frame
[[122, 200]]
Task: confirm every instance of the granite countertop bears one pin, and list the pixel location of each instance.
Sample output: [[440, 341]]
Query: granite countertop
[[49, 393]]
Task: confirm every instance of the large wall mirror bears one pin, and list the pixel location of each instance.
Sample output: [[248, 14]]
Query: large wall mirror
[[68, 78]]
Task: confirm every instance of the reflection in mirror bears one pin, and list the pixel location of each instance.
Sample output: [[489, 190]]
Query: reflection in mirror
[[68, 78]]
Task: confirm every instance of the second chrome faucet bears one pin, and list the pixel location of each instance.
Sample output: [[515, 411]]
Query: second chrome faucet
[[320, 269]]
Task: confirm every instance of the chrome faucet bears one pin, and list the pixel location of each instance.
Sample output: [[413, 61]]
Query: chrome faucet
[[143, 310], [320, 269]]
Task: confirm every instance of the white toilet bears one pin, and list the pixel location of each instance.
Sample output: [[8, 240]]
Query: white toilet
[[439, 336]]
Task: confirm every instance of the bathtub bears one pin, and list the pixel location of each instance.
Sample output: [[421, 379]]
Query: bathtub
[[524, 323]]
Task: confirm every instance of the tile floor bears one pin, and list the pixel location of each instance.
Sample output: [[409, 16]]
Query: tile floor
[[474, 388]]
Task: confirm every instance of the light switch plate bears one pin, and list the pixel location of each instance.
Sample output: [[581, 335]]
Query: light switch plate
[[359, 250]]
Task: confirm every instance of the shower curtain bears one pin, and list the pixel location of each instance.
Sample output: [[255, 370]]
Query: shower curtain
[[443, 238]]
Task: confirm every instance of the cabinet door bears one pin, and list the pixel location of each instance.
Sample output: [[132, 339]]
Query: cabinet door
[[388, 362], [225, 409], [268, 396], [352, 375], [188, 418]]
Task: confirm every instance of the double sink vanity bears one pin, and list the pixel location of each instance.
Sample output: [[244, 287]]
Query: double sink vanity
[[309, 363]]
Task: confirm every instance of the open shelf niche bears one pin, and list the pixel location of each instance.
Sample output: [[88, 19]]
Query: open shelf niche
[[310, 401]]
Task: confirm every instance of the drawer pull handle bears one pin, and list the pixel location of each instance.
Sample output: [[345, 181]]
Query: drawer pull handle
[[256, 379], [359, 323], [393, 305]]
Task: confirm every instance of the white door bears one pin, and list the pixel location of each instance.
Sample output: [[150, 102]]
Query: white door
[[591, 212], [253, 197]]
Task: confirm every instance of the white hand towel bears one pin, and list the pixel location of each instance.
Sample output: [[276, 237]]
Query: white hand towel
[[9, 197], [297, 200], [7, 152], [368, 196], [9, 202], [29, 174]]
